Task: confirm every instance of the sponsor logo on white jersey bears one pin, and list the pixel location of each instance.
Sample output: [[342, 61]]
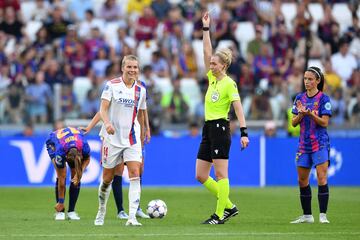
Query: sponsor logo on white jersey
[[126, 102]]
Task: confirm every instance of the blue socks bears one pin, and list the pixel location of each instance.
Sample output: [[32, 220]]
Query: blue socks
[[305, 198], [323, 197], [74, 194], [117, 191]]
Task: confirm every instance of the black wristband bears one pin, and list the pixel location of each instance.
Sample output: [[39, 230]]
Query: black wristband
[[206, 29], [243, 132]]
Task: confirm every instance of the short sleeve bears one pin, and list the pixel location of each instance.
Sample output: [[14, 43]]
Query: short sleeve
[[144, 85], [233, 92], [50, 147], [294, 109], [107, 92], [142, 103], [325, 106], [86, 150], [55, 152]]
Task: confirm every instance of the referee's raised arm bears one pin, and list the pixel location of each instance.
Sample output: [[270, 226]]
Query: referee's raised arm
[[206, 40]]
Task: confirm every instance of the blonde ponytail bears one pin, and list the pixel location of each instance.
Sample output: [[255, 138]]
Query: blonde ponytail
[[225, 56]]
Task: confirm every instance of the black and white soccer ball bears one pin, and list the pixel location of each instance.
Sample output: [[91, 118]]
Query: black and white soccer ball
[[156, 208]]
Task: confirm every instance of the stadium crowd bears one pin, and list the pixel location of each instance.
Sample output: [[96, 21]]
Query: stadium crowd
[[79, 44]]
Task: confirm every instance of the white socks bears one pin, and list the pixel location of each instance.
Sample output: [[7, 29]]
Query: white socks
[[103, 194], [134, 196]]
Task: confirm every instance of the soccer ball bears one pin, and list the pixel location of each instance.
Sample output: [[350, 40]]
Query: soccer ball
[[156, 208]]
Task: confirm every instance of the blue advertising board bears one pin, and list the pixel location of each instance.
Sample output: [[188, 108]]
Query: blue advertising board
[[171, 162], [343, 169]]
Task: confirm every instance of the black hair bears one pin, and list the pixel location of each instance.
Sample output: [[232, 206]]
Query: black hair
[[319, 75], [157, 54], [193, 124], [90, 11], [147, 68], [343, 40], [109, 69]]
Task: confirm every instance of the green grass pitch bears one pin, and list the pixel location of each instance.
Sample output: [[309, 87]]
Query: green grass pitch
[[27, 213]]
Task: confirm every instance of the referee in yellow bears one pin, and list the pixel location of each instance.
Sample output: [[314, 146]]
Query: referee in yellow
[[216, 139]]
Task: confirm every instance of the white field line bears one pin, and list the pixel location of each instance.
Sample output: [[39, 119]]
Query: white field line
[[182, 234], [262, 168]]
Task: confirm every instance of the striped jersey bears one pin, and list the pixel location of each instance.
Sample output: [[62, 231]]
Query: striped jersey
[[143, 84], [124, 106], [313, 136], [63, 139]]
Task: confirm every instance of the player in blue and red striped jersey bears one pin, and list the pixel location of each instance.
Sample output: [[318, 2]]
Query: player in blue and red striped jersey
[[68, 145], [312, 110]]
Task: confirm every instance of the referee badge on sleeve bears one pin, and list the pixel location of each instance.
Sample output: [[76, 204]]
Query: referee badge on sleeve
[[215, 96]]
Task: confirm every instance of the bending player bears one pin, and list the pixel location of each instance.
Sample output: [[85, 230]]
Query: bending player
[[68, 145]]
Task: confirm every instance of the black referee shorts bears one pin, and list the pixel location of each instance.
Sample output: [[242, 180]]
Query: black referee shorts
[[216, 140]]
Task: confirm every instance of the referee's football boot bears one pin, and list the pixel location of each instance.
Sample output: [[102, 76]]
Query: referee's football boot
[[230, 212], [214, 219], [304, 219]]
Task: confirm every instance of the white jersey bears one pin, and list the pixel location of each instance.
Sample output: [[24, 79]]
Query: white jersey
[[124, 106]]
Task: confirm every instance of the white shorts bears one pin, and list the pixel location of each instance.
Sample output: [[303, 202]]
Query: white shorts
[[111, 156]]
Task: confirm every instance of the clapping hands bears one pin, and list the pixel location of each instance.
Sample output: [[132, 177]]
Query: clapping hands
[[301, 108]]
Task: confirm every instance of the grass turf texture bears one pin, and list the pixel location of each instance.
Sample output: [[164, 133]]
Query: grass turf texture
[[27, 213]]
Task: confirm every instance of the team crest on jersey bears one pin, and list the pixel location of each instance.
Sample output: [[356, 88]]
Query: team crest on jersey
[[57, 159], [328, 106], [316, 104], [215, 96]]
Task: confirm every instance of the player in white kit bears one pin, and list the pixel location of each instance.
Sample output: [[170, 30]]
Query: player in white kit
[[121, 102]]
